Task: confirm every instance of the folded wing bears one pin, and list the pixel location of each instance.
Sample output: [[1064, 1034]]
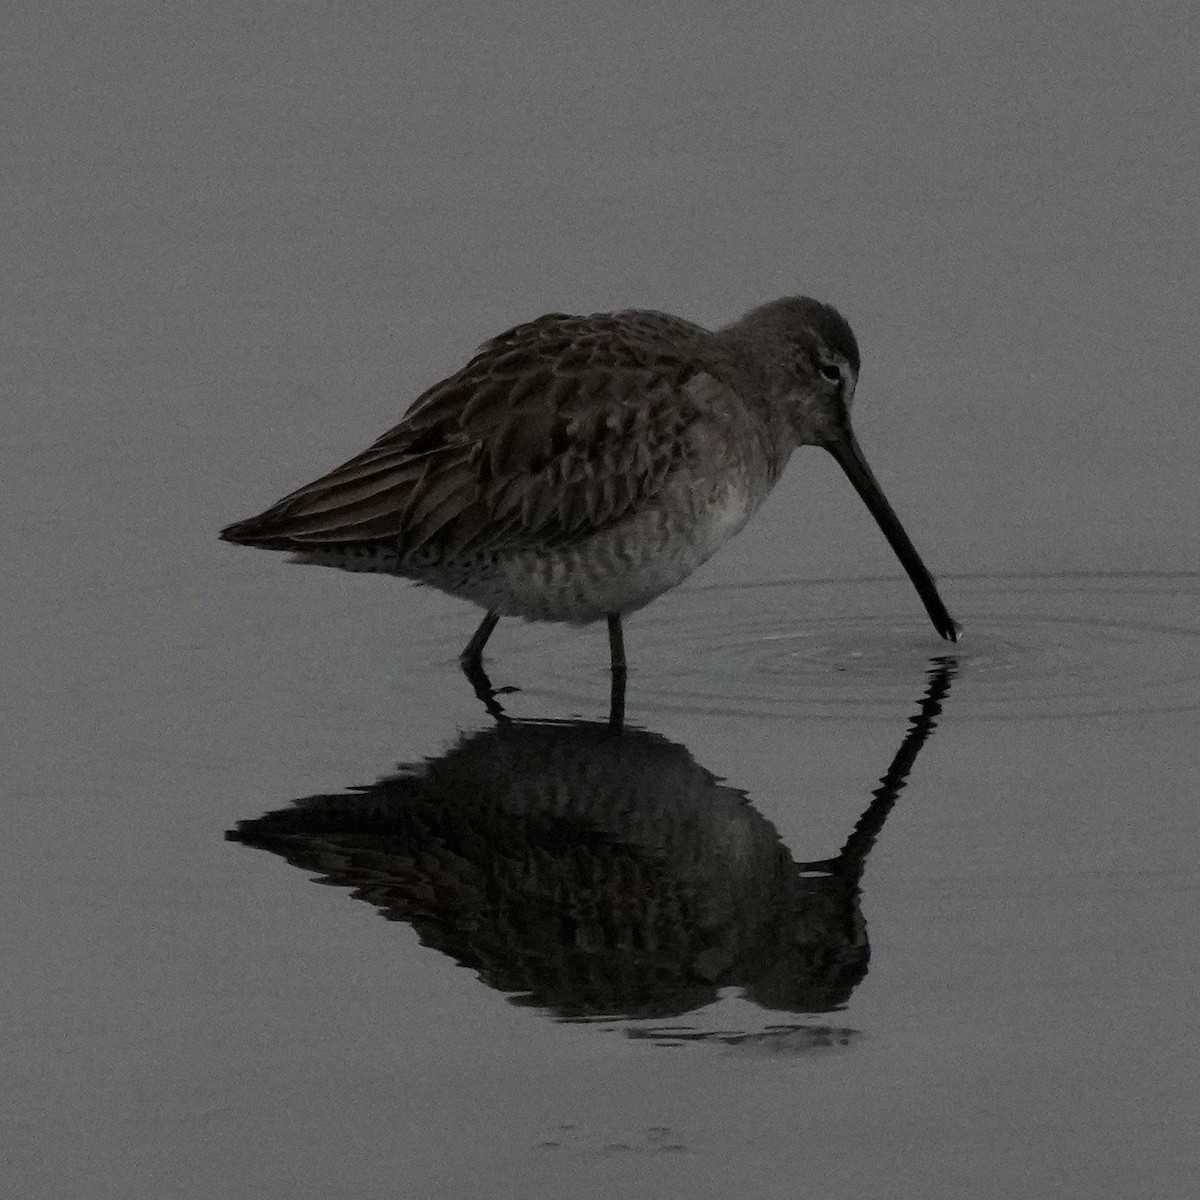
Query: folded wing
[[556, 428]]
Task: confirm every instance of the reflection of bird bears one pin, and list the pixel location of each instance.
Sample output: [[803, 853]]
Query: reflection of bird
[[592, 873], [578, 467]]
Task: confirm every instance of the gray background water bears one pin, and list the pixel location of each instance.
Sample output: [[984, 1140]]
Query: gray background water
[[237, 239]]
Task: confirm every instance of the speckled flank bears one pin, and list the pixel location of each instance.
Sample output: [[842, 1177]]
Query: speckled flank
[[618, 570]]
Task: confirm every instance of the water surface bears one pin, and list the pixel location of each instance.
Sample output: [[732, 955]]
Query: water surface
[[795, 930]]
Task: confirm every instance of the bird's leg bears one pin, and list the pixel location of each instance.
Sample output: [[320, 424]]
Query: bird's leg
[[616, 643], [482, 686], [471, 660], [616, 646], [616, 703], [472, 656]]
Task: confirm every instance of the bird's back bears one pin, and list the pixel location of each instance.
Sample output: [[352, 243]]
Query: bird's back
[[554, 431]]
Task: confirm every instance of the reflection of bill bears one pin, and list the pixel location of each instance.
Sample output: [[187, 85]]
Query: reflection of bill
[[594, 873]]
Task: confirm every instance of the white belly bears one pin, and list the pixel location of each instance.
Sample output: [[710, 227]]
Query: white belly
[[619, 570]]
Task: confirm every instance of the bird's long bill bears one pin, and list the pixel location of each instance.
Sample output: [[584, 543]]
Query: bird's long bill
[[850, 458]]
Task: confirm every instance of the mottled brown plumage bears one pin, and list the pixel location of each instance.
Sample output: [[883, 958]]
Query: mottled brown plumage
[[556, 427], [577, 467]]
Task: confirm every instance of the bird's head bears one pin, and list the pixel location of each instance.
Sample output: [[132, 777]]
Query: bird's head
[[806, 358]]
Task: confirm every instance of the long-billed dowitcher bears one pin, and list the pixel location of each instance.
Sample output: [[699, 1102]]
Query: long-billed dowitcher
[[579, 466]]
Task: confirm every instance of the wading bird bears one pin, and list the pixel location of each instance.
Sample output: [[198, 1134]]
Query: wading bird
[[579, 466]]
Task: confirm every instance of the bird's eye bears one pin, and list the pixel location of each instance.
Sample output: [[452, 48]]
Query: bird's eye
[[830, 371]]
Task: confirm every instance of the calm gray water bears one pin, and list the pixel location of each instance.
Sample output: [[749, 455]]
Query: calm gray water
[[846, 911]]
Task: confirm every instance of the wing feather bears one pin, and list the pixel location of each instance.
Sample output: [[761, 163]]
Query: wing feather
[[559, 426]]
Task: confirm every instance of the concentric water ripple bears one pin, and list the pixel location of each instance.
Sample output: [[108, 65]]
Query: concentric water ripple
[[1034, 647]]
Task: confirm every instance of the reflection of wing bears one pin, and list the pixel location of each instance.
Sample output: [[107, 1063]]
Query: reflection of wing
[[587, 873], [560, 426]]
